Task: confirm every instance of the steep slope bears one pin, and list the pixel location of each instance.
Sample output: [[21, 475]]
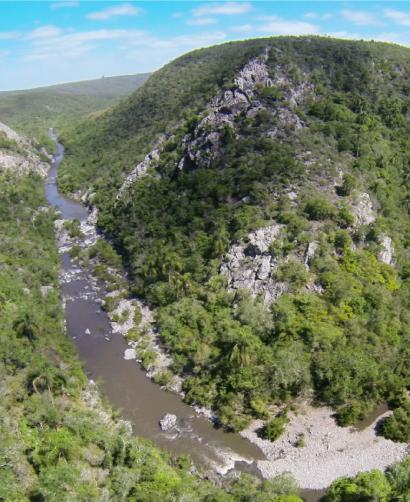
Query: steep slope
[[59, 440], [33, 111], [258, 192], [19, 155]]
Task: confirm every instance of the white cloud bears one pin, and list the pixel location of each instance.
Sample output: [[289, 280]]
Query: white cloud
[[64, 5], [224, 9], [49, 43], [69, 44], [201, 21], [274, 25], [44, 32], [126, 9], [358, 17], [315, 15], [398, 16], [180, 42]]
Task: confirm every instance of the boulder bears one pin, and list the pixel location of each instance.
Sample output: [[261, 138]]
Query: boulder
[[130, 354], [168, 422], [44, 290]]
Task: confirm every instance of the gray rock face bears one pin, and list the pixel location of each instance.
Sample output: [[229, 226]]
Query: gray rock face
[[310, 253], [139, 171], [168, 422], [204, 144], [387, 253], [24, 161], [250, 265], [362, 209]]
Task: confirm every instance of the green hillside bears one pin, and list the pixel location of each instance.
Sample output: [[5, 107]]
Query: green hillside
[[33, 111], [311, 142], [59, 440]]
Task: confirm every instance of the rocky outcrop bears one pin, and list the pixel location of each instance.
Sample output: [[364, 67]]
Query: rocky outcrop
[[251, 266], [45, 290], [139, 171], [205, 143], [362, 209], [22, 159], [310, 253], [387, 252], [14, 136]]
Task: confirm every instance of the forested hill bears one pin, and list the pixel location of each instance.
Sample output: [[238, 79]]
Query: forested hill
[[33, 111], [258, 192]]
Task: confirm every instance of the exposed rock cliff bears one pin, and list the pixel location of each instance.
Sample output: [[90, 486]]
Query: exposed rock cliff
[[387, 252], [205, 143], [141, 169], [17, 154], [362, 209], [251, 266]]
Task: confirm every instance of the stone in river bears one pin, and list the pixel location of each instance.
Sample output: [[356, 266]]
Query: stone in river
[[167, 422], [129, 353]]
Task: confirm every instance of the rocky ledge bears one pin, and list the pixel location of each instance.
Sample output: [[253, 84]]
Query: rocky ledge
[[20, 156], [251, 266]]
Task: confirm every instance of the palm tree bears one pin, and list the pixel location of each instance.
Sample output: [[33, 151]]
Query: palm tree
[[221, 241], [46, 377], [171, 263], [26, 327], [240, 353]]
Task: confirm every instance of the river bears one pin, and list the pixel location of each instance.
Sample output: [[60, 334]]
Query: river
[[141, 401]]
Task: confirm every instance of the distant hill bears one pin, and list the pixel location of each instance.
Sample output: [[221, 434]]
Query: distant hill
[[33, 111]]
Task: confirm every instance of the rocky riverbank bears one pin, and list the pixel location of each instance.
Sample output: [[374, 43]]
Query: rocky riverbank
[[316, 451]]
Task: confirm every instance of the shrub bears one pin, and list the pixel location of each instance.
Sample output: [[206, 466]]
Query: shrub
[[273, 429], [343, 240], [371, 485], [137, 315], [344, 217], [397, 426], [348, 185], [294, 274], [319, 208]]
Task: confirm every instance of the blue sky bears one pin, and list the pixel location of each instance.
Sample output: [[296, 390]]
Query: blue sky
[[50, 42]]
